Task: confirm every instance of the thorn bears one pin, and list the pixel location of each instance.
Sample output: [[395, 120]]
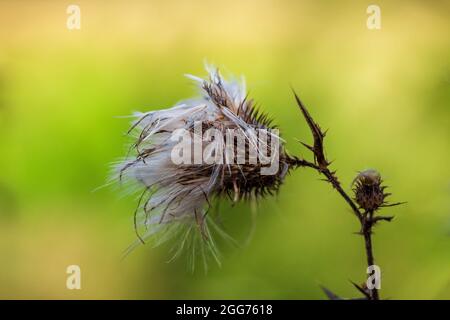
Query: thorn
[[360, 289], [385, 218], [330, 294], [307, 146], [392, 204]]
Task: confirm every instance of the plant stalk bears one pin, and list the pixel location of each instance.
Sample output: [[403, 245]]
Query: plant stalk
[[367, 233], [321, 165]]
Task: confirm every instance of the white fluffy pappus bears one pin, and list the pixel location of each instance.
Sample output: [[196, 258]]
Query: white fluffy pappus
[[175, 198]]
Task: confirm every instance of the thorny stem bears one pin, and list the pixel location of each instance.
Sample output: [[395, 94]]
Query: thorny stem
[[366, 219], [367, 232]]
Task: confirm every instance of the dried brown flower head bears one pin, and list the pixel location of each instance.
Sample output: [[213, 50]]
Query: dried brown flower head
[[369, 193], [214, 146]]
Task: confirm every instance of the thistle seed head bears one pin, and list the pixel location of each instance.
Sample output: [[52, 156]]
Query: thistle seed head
[[215, 145]]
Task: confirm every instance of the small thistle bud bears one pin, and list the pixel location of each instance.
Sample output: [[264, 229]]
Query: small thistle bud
[[369, 193]]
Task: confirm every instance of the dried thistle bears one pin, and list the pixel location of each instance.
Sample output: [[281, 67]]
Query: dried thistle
[[369, 194], [178, 188]]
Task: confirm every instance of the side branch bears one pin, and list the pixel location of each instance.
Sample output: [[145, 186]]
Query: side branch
[[321, 163]]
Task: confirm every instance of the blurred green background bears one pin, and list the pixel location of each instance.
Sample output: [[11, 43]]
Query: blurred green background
[[384, 94]]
